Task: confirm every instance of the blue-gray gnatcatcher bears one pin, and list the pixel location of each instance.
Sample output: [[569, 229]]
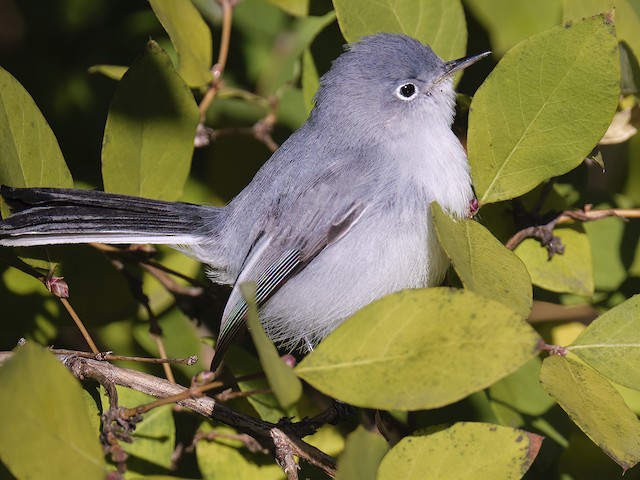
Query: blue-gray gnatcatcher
[[337, 218]]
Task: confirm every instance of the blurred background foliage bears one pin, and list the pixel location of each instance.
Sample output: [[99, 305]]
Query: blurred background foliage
[[49, 48]]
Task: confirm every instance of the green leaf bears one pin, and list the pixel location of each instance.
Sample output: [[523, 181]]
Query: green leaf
[[483, 264], [265, 404], [297, 8], [45, 431], [633, 170], [521, 390], [154, 437], [181, 337], [283, 61], [29, 150], [286, 387], [611, 344], [543, 108], [190, 36], [570, 272], [420, 349], [225, 458], [361, 456], [310, 80], [148, 138], [439, 23], [114, 72], [510, 22], [465, 450], [606, 237], [627, 17], [595, 406]]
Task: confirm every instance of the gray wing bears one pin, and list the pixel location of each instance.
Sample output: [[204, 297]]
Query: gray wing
[[274, 259]]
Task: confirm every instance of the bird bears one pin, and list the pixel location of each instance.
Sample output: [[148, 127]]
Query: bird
[[337, 218]]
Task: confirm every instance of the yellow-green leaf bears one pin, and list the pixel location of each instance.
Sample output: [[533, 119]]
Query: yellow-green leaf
[[286, 387], [420, 349], [45, 431], [225, 458], [611, 344], [29, 150], [606, 237], [521, 390], [439, 23], [473, 451], [543, 108], [361, 456], [154, 437], [570, 272], [266, 405], [148, 138], [509, 22], [297, 8], [114, 72], [484, 264], [310, 81], [627, 16], [595, 406], [190, 36]]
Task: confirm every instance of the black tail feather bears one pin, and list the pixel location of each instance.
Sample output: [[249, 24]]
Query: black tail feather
[[73, 216]]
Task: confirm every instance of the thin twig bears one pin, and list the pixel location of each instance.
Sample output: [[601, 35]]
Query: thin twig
[[544, 233], [80, 325], [223, 53], [248, 441], [108, 356]]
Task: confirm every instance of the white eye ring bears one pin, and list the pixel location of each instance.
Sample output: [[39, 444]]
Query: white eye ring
[[407, 91]]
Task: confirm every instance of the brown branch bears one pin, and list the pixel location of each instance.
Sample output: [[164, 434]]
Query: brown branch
[[261, 130], [542, 312], [260, 430], [223, 54], [544, 233]]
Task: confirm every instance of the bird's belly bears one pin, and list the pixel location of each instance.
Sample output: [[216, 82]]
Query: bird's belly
[[371, 261]]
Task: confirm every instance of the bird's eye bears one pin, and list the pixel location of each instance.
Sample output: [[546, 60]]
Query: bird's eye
[[407, 91]]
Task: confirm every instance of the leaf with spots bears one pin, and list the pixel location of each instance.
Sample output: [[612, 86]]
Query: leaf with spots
[[473, 451], [420, 349]]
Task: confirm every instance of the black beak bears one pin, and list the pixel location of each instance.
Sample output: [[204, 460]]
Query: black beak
[[456, 65]]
